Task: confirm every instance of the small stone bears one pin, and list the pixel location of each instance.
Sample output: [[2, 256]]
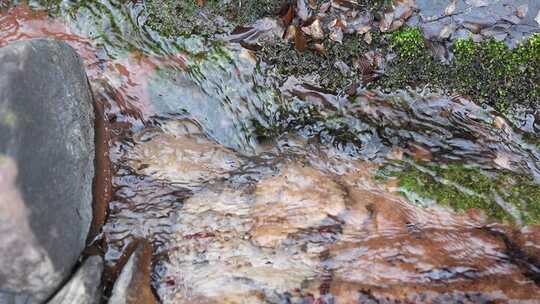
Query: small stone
[[446, 31], [522, 10], [477, 3], [451, 8], [342, 67], [83, 288], [473, 27], [502, 160]]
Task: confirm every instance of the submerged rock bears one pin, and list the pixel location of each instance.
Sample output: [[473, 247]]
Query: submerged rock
[[185, 160], [84, 287], [306, 233], [47, 134]]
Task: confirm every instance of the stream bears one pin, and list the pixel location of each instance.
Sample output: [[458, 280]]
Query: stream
[[405, 196]]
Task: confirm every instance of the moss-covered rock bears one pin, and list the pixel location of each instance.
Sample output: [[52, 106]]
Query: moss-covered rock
[[487, 72], [462, 187]]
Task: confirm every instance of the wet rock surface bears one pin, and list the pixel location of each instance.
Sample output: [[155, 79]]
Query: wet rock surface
[[253, 190], [502, 20], [303, 232], [47, 139], [305, 224]]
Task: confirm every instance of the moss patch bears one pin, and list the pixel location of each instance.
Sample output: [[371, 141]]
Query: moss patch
[[492, 72], [462, 188]]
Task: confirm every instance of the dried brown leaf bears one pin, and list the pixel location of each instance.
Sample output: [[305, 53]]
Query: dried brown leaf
[[300, 42]]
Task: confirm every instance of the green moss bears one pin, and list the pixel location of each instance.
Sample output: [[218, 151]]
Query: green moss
[[408, 43], [488, 72], [8, 118], [497, 75], [462, 188]]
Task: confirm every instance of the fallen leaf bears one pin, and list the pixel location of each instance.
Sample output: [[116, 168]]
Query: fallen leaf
[[324, 7], [314, 30], [386, 22], [300, 42], [290, 33], [336, 34], [288, 16], [363, 29], [368, 38], [319, 47]]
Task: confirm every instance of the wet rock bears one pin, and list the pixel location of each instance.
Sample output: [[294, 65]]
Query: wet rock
[[46, 131], [503, 20], [133, 284], [186, 160], [299, 198], [84, 287], [237, 239]]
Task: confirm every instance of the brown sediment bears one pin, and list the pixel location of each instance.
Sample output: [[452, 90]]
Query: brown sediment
[[102, 188]]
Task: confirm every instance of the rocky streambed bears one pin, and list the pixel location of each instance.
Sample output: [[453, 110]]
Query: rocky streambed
[[299, 152]]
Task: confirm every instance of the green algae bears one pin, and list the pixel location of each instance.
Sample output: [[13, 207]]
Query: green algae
[[503, 195]]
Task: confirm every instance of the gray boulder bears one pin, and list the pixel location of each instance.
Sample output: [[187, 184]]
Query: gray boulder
[[46, 167]]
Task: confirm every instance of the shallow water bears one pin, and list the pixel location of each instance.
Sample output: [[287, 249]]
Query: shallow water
[[301, 217]]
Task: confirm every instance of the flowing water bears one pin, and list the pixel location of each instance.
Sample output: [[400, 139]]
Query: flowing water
[[336, 200]]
